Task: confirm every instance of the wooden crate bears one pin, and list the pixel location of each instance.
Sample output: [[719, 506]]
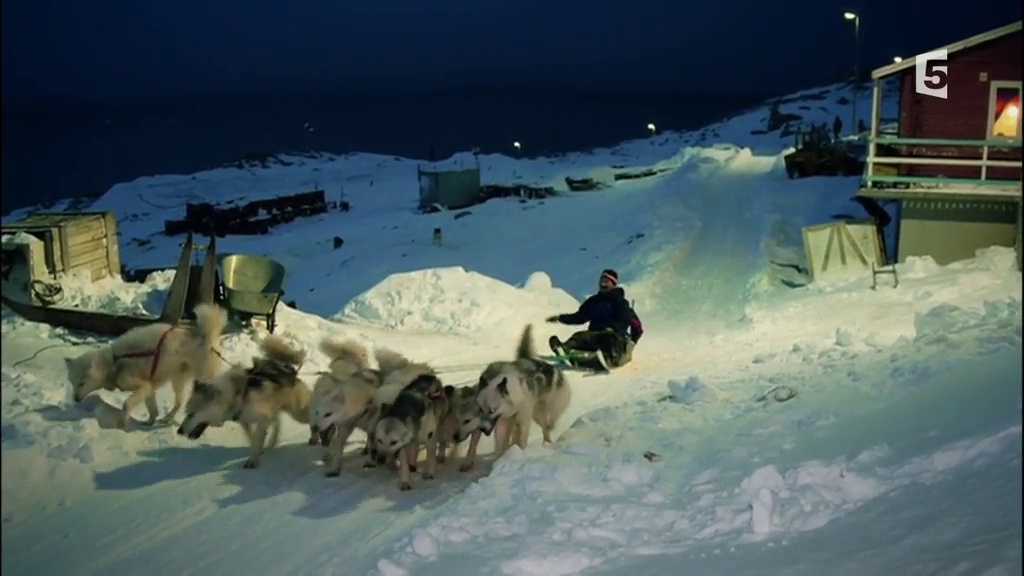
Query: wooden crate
[[842, 249], [76, 242]]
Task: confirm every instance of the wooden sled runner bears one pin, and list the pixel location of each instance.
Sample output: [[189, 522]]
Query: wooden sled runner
[[184, 294]]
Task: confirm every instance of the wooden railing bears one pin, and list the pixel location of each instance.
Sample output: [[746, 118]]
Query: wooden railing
[[985, 163]]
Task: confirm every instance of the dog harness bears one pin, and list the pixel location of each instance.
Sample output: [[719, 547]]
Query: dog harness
[[439, 397], [154, 353]]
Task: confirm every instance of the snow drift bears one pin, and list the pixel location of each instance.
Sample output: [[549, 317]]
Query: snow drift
[[456, 300]]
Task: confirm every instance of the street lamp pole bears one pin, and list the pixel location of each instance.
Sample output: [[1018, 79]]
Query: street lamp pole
[[856, 64], [856, 42]]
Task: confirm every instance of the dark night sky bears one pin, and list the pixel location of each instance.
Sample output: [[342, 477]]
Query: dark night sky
[[143, 49]]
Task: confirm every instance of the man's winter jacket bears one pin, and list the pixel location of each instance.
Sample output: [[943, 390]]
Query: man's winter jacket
[[607, 310]]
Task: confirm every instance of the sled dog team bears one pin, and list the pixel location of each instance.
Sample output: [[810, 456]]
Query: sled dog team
[[401, 405]]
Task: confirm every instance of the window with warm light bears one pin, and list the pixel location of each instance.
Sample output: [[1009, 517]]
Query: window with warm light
[[1004, 110]]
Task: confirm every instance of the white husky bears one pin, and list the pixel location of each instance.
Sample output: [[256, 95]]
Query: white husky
[[350, 360], [521, 391], [143, 359]]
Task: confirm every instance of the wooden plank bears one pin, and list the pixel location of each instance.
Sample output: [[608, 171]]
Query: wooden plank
[[65, 250], [99, 270], [86, 235], [32, 221], [84, 222], [98, 245], [939, 180], [997, 142], [113, 247], [88, 260], [27, 227], [85, 253], [84, 226]]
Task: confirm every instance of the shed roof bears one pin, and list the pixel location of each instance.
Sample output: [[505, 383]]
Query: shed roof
[[457, 163], [950, 48]]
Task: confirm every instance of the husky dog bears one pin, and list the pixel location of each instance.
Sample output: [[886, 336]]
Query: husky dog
[[349, 400], [349, 360], [347, 356], [254, 397], [406, 423], [524, 390], [336, 414], [143, 359], [397, 373], [461, 422]]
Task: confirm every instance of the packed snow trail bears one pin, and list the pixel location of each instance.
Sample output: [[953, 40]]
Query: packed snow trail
[[717, 219]]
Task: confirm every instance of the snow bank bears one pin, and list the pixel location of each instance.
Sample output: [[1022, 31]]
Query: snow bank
[[456, 300], [607, 508], [115, 296]]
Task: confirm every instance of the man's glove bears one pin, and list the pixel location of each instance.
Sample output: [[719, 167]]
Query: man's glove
[[552, 319]]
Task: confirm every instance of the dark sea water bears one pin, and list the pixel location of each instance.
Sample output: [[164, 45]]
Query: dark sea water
[[54, 152]]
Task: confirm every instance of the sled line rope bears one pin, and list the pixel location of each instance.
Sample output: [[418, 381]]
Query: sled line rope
[[65, 342], [238, 365], [455, 368], [40, 351]]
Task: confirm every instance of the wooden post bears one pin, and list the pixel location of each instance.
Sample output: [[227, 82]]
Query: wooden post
[[1018, 244], [876, 105]]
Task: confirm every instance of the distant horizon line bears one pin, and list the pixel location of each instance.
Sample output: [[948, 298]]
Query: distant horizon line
[[267, 95]]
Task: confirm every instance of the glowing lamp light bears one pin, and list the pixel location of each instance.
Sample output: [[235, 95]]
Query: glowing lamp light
[[897, 59], [652, 128], [517, 145], [1012, 110], [849, 15]]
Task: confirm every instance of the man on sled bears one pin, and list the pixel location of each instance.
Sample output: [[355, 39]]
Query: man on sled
[[613, 331]]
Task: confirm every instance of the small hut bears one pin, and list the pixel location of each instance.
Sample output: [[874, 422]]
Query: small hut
[[44, 247], [450, 184]]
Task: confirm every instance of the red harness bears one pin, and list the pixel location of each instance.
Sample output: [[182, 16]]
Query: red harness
[[154, 354]]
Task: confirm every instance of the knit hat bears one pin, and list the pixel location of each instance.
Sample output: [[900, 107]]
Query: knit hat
[[611, 275]]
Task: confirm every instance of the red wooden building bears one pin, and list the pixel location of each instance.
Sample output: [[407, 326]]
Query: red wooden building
[[952, 167]]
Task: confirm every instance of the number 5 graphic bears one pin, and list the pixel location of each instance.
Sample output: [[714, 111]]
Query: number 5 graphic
[[931, 74]]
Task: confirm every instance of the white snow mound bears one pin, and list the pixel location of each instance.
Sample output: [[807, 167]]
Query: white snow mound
[[456, 300]]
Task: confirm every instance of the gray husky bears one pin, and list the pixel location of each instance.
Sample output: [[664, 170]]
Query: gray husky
[[254, 397], [461, 422], [411, 420], [349, 361], [523, 390]]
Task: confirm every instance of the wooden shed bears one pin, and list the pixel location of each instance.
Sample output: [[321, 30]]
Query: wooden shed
[[953, 170], [74, 242], [450, 184]]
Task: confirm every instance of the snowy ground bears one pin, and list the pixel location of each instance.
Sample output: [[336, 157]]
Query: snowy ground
[[899, 454]]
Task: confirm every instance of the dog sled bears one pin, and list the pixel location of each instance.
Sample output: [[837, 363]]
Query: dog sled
[[186, 291], [251, 286]]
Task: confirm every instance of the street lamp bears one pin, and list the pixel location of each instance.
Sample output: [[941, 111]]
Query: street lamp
[[856, 64], [897, 59], [652, 128], [517, 146], [856, 42]]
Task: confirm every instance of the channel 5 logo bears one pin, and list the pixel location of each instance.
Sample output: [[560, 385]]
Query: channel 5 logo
[[931, 74]]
